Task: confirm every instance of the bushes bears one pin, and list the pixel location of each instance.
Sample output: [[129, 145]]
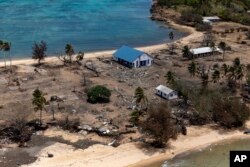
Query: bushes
[[98, 94], [160, 125], [230, 113]]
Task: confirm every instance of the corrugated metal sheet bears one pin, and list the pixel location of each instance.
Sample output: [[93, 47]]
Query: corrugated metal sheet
[[164, 89], [128, 54], [203, 50]]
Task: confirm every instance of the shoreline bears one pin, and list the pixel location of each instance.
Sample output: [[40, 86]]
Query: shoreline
[[130, 154], [187, 150], [190, 33]]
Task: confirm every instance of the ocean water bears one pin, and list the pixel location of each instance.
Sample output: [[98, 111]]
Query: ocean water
[[214, 156], [89, 25]]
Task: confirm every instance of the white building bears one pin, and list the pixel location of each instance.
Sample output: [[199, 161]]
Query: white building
[[211, 19], [166, 92], [132, 58], [204, 51]]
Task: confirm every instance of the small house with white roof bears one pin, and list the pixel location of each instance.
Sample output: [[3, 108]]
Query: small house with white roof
[[166, 92], [131, 57], [204, 51], [210, 20]]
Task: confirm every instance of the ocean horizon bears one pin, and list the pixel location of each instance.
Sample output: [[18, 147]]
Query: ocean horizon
[[88, 25]]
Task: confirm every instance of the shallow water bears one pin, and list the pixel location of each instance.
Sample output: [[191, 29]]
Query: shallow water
[[214, 156], [87, 24]]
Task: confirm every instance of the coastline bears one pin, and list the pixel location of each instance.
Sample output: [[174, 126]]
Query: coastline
[[130, 154], [191, 33]]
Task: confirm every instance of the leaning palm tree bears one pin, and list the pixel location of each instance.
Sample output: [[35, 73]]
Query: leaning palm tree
[[140, 97], [192, 68], [170, 76], [222, 46], [69, 50]]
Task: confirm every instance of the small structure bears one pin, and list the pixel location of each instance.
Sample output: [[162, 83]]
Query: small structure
[[204, 51], [131, 57], [166, 92], [211, 19]]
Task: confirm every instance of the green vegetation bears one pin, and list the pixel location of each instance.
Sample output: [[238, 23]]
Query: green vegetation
[[98, 94], [229, 10], [5, 47], [39, 50], [140, 98], [38, 102]]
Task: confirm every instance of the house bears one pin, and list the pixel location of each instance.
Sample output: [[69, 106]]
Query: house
[[131, 57], [204, 51], [166, 92], [210, 20]]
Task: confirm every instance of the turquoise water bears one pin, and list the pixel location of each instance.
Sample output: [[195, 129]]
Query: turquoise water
[[89, 25], [213, 156]]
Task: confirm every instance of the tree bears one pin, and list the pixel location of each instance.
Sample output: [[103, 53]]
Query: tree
[[140, 97], [223, 46], [79, 57], [192, 68], [69, 50], [159, 125], [230, 113], [98, 94], [216, 76], [5, 47], [186, 51], [225, 68], [171, 35], [38, 102], [170, 76], [39, 51], [172, 48], [212, 46]]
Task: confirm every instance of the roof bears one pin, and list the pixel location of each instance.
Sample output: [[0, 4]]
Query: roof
[[211, 18], [203, 50], [128, 54], [164, 89]]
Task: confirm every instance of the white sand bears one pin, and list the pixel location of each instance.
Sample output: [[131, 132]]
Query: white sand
[[130, 153]]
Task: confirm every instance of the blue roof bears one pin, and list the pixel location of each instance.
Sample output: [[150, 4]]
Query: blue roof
[[128, 54]]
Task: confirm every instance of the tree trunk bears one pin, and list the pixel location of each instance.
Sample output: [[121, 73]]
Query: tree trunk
[[40, 117], [4, 60], [223, 54]]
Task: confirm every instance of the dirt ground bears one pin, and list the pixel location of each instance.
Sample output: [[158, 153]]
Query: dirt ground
[[68, 83]]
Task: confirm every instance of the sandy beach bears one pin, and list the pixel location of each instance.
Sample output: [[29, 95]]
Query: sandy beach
[[130, 154], [191, 35]]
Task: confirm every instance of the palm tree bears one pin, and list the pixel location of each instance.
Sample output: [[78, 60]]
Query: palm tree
[[225, 68], [69, 50], [192, 68], [222, 46], [6, 48], [38, 102], [140, 97], [39, 50], [216, 76], [170, 76], [171, 35], [213, 47], [186, 51]]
